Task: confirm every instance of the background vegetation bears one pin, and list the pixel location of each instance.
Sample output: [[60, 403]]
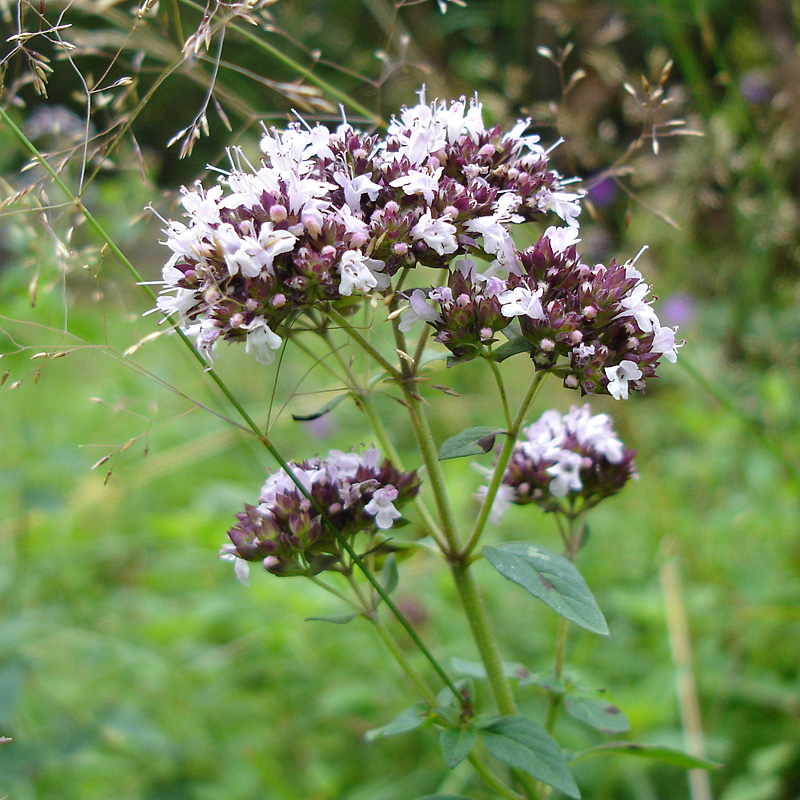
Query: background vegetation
[[132, 664]]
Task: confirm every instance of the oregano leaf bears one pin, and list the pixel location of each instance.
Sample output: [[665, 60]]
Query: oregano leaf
[[521, 743], [470, 442], [552, 579]]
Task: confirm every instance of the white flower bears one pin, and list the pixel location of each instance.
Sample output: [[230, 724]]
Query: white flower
[[261, 340], [634, 305], [496, 239], [521, 301], [583, 351], [567, 205], [619, 376], [520, 141], [566, 474], [418, 182], [274, 242], [381, 507], [355, 187], [179, 303], [562, 238], [664, 342], [438, 234], [595, 433], [417, 310], [358, 273]]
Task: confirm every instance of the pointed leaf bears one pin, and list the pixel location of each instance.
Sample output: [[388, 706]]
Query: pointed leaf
[[470, 442], [669, 755], [521, 743], [408, 719], [550, 577], [327, 408], [597, 713], [336, 619], [457, 744], [510, 348]]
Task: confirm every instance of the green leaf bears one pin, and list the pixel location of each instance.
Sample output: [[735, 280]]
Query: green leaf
[[408, 719], [475, 669], [470, 442], [597, 713], [327, 408], [389, 574], [669, 755], [457, 744], [521, 743], [336, 619], [453, 360], [510, 348], [550, 577]]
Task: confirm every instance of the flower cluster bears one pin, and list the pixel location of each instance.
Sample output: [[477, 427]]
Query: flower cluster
[[575, 458], [286, 531], [592, 325], [327, 215]]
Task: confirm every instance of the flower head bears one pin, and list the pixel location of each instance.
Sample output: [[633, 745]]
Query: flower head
[[359, 492], [566, 463]]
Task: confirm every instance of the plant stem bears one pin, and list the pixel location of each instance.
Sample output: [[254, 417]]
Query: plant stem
[[430, 458], [501, 389], [554, 704], [502, 462], [481, 633], [400, 657], [572, 542]]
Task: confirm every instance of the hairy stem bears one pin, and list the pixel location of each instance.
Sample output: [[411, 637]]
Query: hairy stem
[[484, 639]]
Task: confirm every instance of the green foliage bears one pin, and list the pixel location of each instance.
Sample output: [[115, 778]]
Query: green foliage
[[520, 742], [551, 578], [470, 442]]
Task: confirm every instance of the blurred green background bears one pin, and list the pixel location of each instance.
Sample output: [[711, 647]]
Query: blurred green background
[[134, 666]]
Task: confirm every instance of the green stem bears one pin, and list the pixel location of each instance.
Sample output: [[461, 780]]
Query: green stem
[[502, 462], [481, 633], [430, 457], [572, 542], [335, 592], [501, 389], [400, 657], [554, 704]]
